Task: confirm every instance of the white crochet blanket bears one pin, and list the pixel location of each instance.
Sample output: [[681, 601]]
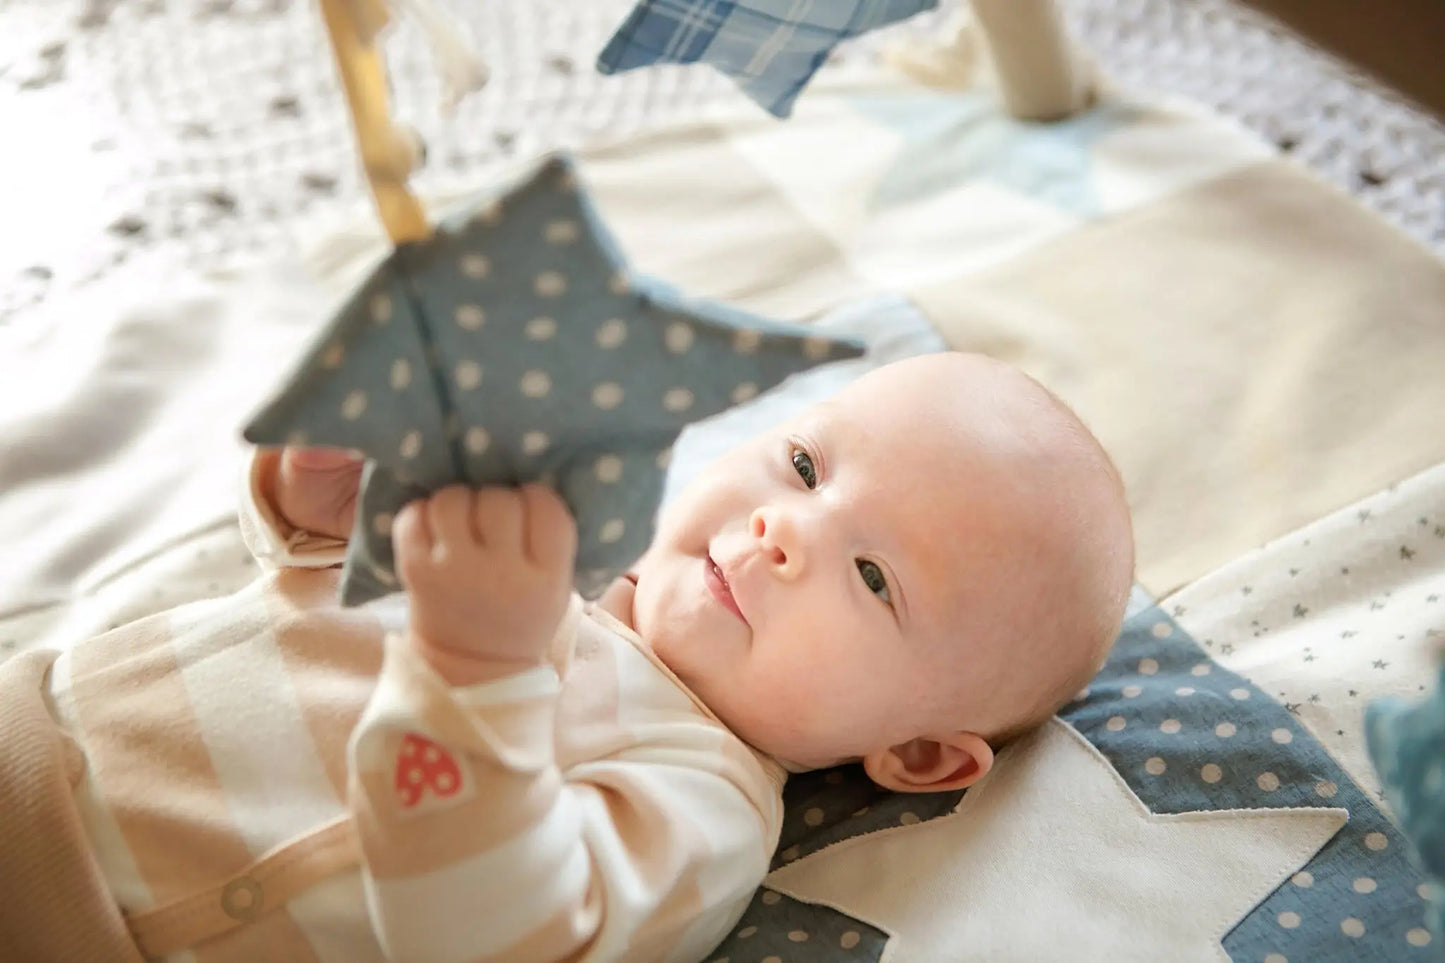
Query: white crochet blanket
[[203, 130]]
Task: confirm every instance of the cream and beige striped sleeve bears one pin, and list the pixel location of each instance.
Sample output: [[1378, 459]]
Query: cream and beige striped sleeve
[[478, 847]]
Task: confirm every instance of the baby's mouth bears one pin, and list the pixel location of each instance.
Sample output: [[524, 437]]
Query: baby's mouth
[[717, 585]]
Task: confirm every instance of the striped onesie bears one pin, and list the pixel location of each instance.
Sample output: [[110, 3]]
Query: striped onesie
[[267, 776]]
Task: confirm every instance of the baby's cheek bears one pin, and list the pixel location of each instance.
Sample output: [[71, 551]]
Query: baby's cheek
[[689, 508], [787, 702]]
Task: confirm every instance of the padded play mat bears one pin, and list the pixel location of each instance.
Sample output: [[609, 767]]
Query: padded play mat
[[1229, 265]]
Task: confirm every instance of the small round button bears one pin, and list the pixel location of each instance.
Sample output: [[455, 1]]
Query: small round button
[[241, 899]]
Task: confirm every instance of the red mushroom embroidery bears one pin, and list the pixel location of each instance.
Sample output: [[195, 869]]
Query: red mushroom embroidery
[[423, 765]]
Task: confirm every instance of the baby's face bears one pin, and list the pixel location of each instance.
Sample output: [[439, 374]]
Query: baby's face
[[825, 586]]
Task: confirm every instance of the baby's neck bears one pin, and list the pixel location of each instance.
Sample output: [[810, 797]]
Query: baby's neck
[[616, 601]]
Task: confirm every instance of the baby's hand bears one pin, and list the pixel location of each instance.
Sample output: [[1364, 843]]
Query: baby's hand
[[315, 489], [489, 573]]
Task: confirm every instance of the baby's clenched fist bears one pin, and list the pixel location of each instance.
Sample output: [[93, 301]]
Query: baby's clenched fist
[[315, 489], [489, 573]]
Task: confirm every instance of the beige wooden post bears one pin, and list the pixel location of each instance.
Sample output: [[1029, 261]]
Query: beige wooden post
[[388, 152], [1041, 74]]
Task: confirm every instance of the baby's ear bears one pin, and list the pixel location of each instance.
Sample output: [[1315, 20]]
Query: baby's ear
[[939, 764]]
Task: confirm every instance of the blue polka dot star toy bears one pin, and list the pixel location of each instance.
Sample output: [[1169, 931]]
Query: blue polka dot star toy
[[513, 345]]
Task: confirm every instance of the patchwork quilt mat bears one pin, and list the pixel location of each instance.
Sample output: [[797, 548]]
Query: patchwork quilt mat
[[1209, 796]]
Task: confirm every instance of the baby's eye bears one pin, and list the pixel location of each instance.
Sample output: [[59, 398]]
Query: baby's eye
[[803, 463], [873, 578]]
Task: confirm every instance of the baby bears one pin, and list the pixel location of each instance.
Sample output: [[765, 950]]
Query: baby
[[908, 575]]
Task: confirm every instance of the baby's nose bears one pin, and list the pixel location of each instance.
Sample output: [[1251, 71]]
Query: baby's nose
[[776, 536]]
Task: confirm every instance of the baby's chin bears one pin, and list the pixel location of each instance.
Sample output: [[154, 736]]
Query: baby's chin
[[782, 736], [677, 651]]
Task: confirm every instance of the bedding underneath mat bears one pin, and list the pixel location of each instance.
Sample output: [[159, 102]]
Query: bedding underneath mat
[[1219, 315]]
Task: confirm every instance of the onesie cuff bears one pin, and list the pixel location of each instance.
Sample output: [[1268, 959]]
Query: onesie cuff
[[509, 719]]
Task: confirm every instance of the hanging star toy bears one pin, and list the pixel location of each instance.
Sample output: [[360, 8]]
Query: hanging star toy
[[509, 344], [513, 345], [771, 48]]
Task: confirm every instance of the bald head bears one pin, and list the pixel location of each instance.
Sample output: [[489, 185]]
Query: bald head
[[927, 563], [1043, 557]]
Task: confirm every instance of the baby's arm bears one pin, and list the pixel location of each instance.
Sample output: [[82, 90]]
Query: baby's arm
[[299, 505], [475, 844]]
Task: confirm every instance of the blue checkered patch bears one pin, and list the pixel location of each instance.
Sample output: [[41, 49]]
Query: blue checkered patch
[[771, 48]]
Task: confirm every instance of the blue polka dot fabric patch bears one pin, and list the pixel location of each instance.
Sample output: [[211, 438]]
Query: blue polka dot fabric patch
[[1189, 735], [514, 346]]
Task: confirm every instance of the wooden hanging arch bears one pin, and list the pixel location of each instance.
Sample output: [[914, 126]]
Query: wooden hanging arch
[[389, 153]]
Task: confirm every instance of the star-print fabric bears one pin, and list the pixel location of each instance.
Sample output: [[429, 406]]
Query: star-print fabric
[[1407, 744], [771, 48], [515, 346]]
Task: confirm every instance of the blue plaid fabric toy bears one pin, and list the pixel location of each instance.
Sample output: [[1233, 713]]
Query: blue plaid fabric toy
[[1407, 745], [771, 48]]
